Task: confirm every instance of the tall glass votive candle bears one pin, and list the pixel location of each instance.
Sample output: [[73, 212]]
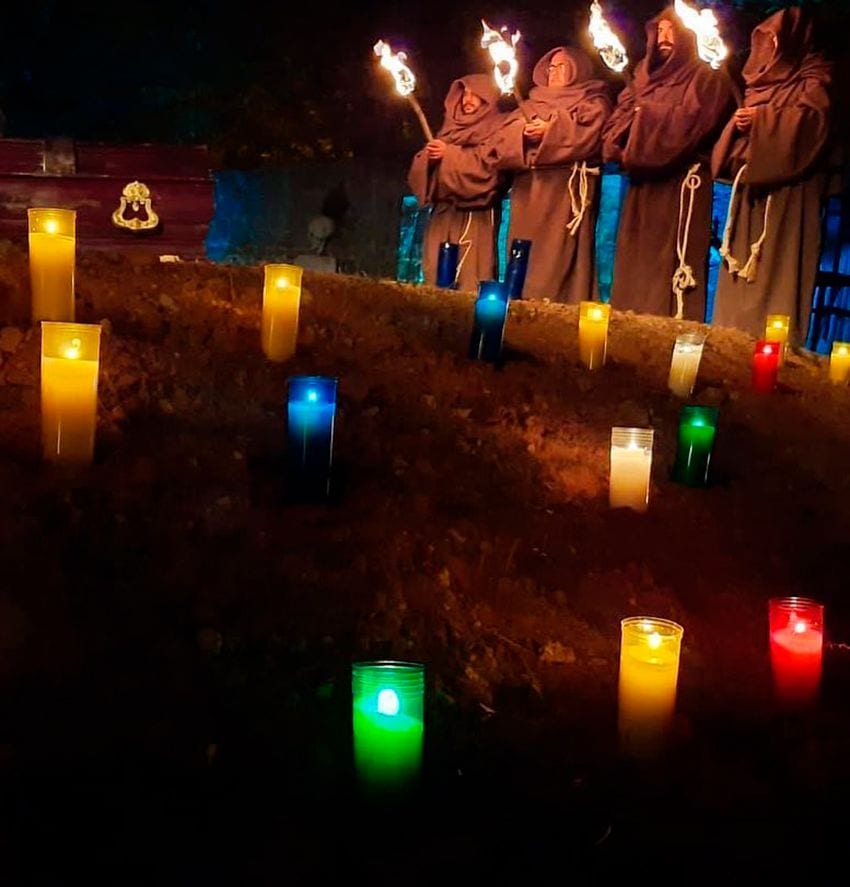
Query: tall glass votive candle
[[776, 329], [311, 410], [593, 333], [52, 248], [697, 430], [796, 649], [517, 268], [491, 312], [765, 366], [70, 361], [839, 363], [281, 304], [684, 365], [649, 673], [388, 719], [447, 259], [631, 464]]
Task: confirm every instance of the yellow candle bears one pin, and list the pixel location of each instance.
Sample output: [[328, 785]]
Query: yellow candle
[[631, 462], [52, 240], [687, 353], [70, 358], [649, 671], [281, 301], [776, 330], [839, 363], [593, 333]]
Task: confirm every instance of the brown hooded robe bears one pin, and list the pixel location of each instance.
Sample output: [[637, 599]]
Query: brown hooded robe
[[660, 133], [462, 188], [555, 192], [774, 247]]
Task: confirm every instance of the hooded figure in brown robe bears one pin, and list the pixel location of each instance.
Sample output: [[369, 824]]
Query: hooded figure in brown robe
[[661, 135], [456, 175], [556, 164], [771, 149]]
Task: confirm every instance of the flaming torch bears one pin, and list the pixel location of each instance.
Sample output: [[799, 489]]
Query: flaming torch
[[607, 43], [405, 81], [502, 48], [710, 46]]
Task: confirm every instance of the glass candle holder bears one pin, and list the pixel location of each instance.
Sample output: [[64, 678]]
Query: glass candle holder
[[281, 304], [491, 312], [776, 329], [796, 649], [311, 410], [631, 464], [684, 365], [388, 720], [765, 366], [517, 268], [839, 363], [70, 362], [649, 672], [447, 259], [593, 333], [697, 430], [52, 249]]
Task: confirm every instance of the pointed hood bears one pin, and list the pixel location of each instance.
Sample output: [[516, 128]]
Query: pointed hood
[[470, 129], [580, 83], [652, 72]]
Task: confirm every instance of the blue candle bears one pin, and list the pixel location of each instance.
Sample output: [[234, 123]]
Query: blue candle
[[517, 268], [447, 265], [310, 410], [491, 311]]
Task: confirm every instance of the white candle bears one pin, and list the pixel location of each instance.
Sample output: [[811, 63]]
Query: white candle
[[687, 353], [631, 462]]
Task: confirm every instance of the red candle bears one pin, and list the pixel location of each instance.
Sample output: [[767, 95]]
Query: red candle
[[765, 366], [796, 649]]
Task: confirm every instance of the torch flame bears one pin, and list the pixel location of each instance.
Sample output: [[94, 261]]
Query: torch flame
[[703, 23], [607, 43], [502, 48], [405, 81]]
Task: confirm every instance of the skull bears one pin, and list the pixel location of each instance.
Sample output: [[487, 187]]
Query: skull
[[319, 232]]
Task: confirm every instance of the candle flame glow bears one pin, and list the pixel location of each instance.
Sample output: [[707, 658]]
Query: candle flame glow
[[768, 349], [280, 283], [72, 352], [654, 640], [778, 324], [800, 627], [842, 351], [312, 396], [595, 314], [502, 48], [608, 44], [405, 80], [388, 703], [703, 23], [51, 226]]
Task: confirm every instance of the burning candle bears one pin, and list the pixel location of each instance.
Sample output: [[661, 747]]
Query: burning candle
[[70, 359], [687, 353], [697, 429], [593, 333], [631, 462], [649, 672], [52, 243], [311, 410], [491, 312], [388, 720], [765, 366], [281, 302], [796, 649], [839, 363], [517, 268], [776, 330], [447, 265]]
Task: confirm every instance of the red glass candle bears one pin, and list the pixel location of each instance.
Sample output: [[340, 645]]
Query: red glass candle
[[796, 649], [765, 366]]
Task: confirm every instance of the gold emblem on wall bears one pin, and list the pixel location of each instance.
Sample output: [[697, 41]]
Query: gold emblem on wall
[[138, 196]]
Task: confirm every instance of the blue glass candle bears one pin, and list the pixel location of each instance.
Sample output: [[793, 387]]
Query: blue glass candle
[[311, 409], [517, 268], [447, 260], [491, 311]]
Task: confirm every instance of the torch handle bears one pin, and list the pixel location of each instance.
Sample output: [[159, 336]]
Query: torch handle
[[423, 120], [521, 103]]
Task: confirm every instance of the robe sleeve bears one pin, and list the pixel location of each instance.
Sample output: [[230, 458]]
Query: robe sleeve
[[420, 179], [615, 133], [728, 154], [467, 176], [574, 135], [509, 145], [785, 142], [667, 133]]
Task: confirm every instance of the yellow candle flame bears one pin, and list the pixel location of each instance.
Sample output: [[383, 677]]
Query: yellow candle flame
[[72, 352], [703, 23], [654, 640], [842, 351], [51, 226], [280, 283], [610, 48], [405, 80], [501, 45], [595, 314], [778, 324]]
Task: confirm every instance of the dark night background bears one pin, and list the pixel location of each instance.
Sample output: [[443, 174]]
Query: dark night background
[[265, 84]]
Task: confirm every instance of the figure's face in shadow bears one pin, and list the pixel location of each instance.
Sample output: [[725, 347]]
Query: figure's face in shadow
[[666, 39], [470, 102], [557, 70]]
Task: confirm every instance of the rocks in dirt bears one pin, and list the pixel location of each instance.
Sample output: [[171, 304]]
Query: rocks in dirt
[[10, 338], [556, 653]]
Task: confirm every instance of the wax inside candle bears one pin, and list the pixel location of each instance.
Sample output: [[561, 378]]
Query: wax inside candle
[[697, 429], [796, 649], [593, 334], [776, 330], [491, 309], [631, 464], [765, 367], [52, 253], [839, 363], [684, 365], [281, 305], [311, 409]]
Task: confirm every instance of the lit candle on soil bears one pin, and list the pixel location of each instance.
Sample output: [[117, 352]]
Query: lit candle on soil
[[631, 463], [796, 649], [765, 366], [697, 429], [52, 249], [839, 363], [776, 329], [684, 366], [281, 303], [447, 259], [491, 312], [593, 333], [311, 410]]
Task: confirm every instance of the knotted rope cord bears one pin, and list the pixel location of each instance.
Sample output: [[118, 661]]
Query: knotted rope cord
[[579, 207], [463, 242], [749, 270], [683, 276]]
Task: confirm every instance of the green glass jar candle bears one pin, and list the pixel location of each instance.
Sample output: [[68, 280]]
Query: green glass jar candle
[[697, 430]]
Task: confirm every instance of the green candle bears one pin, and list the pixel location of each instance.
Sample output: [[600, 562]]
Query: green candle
[[388, 714], [697, 428]]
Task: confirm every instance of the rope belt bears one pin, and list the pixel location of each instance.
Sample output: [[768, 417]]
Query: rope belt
[[579, 207], [683, 276], [749, 270], [462, 241]]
